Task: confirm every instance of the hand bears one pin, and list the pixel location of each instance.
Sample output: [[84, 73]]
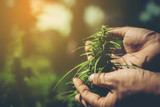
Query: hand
[[142, 47], [143, 50], [121, 83]]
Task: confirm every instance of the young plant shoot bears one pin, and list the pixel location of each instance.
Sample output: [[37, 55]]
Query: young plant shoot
[[103, 47]]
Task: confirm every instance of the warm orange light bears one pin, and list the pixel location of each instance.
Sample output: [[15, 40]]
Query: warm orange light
[[36, 6]]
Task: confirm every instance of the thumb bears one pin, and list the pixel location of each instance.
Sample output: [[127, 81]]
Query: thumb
[[103, 80]]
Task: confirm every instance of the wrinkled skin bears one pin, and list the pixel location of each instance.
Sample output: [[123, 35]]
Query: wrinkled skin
[[142, 48]]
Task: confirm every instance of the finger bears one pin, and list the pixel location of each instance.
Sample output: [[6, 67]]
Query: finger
[[123, 31], [119, 62], [92, 98], [120, 31], [126, 61], [80, 100], [87, 49], [79, 84], [103, 80], [89, 57], [88, 96], [134, 38]]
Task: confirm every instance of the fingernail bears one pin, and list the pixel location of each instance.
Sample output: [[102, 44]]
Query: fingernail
[[91, 77]]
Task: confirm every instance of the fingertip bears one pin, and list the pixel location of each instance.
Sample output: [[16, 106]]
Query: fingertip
[[77, 97], [88, 42], [87, 48], [77, 81], [119, 31], [89, 57], [91, 77]]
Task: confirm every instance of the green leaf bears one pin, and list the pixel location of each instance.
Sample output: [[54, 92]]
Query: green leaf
[[116, 44], [96, 64], [67, 74]]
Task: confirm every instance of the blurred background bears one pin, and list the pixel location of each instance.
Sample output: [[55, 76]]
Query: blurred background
[[37, 38]]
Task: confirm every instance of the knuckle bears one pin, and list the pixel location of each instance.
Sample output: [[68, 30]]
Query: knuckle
[[98, 78], [107, 76], [82, 87], [102, 78], [84, 92]]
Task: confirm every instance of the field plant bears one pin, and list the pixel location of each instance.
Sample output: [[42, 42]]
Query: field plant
[[103, 48]]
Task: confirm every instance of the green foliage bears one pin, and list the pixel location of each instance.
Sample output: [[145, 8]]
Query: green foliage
[[40, 84], [26, 76], [26, 85], [103, 46]]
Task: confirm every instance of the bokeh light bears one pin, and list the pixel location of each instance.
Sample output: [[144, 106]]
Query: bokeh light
[[55, 17], [94, 16], [152, 10]]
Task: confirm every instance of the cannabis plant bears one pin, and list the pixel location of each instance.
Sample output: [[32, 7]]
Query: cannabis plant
[[103, 47]]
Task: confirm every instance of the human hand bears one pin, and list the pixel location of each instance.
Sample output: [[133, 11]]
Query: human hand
[[121, 83], [142, 47]]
